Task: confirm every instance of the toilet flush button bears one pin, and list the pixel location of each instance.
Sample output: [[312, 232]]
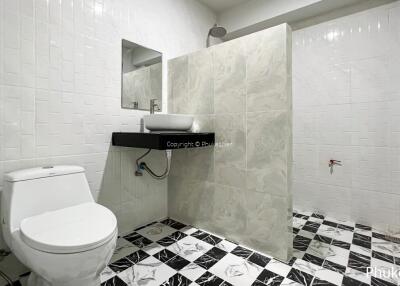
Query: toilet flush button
[[47, 167]]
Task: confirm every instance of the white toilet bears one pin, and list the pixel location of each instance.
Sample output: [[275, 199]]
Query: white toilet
[[52, 224]]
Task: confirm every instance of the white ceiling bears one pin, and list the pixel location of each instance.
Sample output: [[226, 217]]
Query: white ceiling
[[221, 5]]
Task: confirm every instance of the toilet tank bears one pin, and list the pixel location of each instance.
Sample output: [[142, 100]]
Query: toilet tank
[[34, 191]]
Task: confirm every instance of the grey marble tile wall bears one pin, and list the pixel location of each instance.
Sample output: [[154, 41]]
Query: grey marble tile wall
[[240, 189]]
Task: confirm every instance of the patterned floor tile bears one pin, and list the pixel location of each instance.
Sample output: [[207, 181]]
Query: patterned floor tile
[[126, 262], [124, 248], [226, 245], [208, 279], [278, 267], [326, 251], [216, 253], [385, 246], [359, 262], [173, 223], [115, 281], [206, 261], [380, 282], [177, 262], [311, 226], [329, 276], [320, 249], [385, 271], [153, 248], [341, 244], [383, 256], [301, 243], [358, 276], [190, 248], [297, 253], [270, 278], [207, 237], [192, 271], [188, 230], [362, 240], [305, 233], [132, 236], [107, 274], [156, 231], [236, 270], [177, 280], [242, 252], [299, 222], [313, 259], [300, 277], [138, 240], [149, 272], [348, 281], [361, 250], [259, 259], [339, 255], [171, 239], [164, 255], [334, 267], [306, 266], [324, 239]]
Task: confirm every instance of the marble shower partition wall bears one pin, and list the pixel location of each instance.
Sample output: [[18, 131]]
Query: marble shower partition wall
[[241, 89]]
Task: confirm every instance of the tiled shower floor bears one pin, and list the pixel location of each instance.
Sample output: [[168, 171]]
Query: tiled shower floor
[[327, 252]]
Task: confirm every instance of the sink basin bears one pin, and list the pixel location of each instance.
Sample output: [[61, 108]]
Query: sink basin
[[168, 122]]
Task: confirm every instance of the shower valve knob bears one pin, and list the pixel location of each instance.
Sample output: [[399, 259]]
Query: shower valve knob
[[333, 163]]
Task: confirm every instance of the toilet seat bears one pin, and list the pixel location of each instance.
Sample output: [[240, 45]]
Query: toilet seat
[[74, 229]]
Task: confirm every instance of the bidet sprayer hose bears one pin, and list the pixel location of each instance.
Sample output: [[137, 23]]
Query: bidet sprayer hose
[[140, 158], [143, 165]]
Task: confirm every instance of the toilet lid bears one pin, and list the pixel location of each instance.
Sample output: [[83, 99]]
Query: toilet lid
[[69, 230]]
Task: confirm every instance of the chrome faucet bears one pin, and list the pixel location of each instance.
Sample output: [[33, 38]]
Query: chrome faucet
[[154, 106]]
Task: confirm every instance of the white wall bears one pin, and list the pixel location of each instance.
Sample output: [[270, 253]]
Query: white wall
[[346, 104], [256, 15], [255, 11], [60, 65]]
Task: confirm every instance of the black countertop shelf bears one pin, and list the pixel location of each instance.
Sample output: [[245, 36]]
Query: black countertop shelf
[[163, 140]]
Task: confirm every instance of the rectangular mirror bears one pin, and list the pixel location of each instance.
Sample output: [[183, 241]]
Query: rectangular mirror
[[141, 76]]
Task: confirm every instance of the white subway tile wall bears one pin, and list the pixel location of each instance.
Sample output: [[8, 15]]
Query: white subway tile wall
[[346, 105], [60, 65]]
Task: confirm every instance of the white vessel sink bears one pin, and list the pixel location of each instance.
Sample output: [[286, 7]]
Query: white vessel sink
[[168, 122]]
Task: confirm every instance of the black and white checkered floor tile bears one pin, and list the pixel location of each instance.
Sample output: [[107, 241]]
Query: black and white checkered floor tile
[[326, 252], [343, 252]]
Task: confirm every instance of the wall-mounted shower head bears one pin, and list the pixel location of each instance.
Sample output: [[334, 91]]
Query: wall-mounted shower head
[[217, 31]]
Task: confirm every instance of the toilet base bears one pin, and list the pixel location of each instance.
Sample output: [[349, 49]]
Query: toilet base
[[36, 280]]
